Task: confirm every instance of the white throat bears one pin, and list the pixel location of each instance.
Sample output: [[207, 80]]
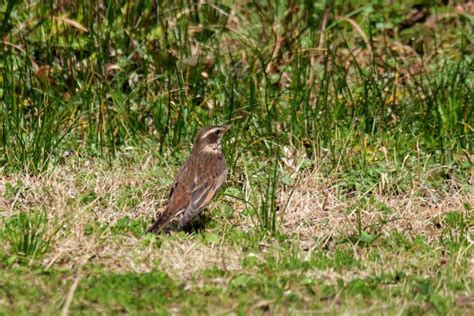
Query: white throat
[[214, 148]]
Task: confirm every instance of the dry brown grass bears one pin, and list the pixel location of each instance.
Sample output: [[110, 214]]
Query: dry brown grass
[[60, 191], [316, 215], [316, 210]]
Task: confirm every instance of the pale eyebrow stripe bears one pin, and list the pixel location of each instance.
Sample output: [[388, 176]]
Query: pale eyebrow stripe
[[209, 132]]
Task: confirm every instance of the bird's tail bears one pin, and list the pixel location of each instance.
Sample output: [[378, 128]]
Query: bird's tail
[[159, 223]]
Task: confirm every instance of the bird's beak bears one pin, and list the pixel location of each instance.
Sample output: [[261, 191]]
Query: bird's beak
[[227, 127]]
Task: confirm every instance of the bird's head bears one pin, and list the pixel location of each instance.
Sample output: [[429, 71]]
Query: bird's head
[[209, 138]]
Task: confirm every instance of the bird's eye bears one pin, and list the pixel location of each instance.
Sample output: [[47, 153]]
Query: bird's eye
[[217, 132]]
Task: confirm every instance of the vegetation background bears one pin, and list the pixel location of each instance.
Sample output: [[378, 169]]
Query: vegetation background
[[351, 157]]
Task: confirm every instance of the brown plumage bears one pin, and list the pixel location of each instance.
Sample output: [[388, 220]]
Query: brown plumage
[[198, 180]]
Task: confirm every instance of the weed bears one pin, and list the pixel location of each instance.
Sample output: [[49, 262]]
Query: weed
[[29, 235]]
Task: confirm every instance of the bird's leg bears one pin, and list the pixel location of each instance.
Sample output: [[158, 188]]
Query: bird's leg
[[184, 221]]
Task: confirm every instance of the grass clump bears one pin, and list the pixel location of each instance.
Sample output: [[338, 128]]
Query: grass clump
[[28, 235]]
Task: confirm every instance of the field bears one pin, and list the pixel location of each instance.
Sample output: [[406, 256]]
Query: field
[[350, 186]]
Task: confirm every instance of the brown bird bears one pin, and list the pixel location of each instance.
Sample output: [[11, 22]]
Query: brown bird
[[198, 180]]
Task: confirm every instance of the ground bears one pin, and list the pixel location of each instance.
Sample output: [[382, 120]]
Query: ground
[[412, 256]]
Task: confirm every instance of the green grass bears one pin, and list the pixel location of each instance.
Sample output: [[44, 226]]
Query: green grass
[[281, 280], [350, 160]]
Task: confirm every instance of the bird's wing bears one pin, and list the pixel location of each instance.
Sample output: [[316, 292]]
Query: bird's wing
[[202, 192]]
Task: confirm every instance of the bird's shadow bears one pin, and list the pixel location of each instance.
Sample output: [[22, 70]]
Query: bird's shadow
[[197, 225]]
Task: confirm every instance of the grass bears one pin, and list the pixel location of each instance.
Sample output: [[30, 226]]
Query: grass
[[350, 181], [333, 252]]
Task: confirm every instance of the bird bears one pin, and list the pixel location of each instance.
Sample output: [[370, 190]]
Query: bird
[[197, 181]]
